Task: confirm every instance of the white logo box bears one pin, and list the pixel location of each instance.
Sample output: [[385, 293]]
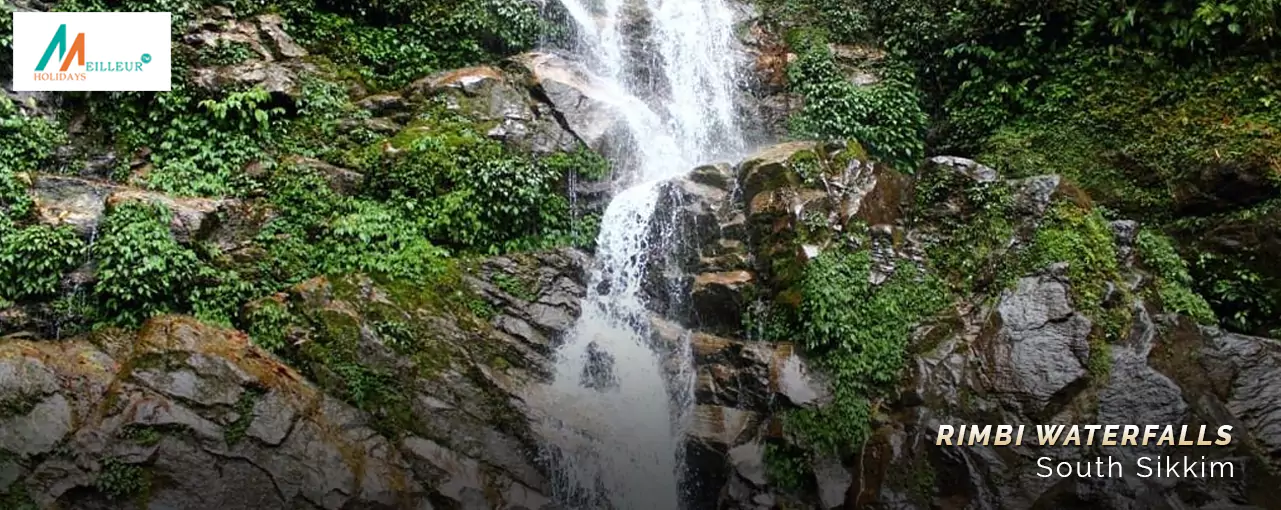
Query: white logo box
[[122, 51]]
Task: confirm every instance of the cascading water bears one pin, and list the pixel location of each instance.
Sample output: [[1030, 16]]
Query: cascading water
[[619, 436]]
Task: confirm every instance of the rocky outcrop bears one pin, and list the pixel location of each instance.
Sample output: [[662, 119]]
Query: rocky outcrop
[[276, 64], [502, 98], [1039, 352], [82, 204], [1022, 352], [184, 415], [401, 398], [582, 101]]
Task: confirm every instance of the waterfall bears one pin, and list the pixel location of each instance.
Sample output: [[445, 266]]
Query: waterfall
[[619, 404]]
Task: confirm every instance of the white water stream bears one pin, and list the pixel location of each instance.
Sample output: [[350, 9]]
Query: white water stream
[[621, 446]]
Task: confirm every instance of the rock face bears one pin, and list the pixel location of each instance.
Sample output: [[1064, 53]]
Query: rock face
[[276, 66], [415, 402], [1023, 352], [585, 104], [185, 416], [1040, 349], [503, 98]]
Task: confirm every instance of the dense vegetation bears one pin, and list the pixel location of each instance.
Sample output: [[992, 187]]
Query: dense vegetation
[[437, 189], [1164, 111]]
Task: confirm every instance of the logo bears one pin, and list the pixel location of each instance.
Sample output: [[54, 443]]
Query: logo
[[91, 51], [59, 43]]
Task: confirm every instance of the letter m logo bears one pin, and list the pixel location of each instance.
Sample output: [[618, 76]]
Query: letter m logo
[[59, 43]]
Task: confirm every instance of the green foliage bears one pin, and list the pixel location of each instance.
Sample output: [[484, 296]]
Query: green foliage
[[142, 270], [516, 286], [1173, 283], [6, 32], [372, 238], [1082, 238], [391, 43], [450, 191], [470, 192], [786, 467], [331, 358], [225, 53], [974, 225], [144, 435], [839, 20], [583, 163], [118, 480], [19, 405], [268, 325], [1140, 141], [33, 260], [1238, 291], [17, 496], [886, 117], [199, 146], [858, 333], [26, 144], [323, 126]]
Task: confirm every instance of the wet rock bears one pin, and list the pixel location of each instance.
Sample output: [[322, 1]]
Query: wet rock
[[719, 298], [1136, 392], [83, 204], [585, 104], [277, 65], [1126, 233], [550, 287], [723, 427], [382, 104], [748, 461], [1032, 196], [858, 62], [967, 167], [720, 177], [1039, 351], [190, 218], [278, 78], [1254, 396], [598, 373], [79, 203], [833, 482]]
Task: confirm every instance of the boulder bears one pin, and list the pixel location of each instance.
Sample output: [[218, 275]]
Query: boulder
[[584, 102], [78, 203], [341, 180], [83, 203], [190, 218], [278, 78], [502, 99], [1038, 351]]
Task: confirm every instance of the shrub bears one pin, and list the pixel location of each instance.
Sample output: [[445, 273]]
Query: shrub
[[199, 147], [142, 270], [886, 117], [27, 144], [470, 192], [34, 259], [1174, 284], [858, 333]]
